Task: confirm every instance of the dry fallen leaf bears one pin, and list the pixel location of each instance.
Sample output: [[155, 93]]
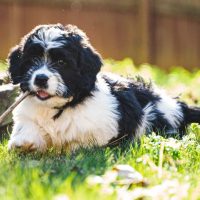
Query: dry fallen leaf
[[94, 180], [123, 175], [61, 197], [126, 175], [169, 189]]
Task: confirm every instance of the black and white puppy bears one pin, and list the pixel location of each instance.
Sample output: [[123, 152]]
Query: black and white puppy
[[72, 104]]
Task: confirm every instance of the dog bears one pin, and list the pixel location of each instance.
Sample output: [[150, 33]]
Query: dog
[[71, 104]]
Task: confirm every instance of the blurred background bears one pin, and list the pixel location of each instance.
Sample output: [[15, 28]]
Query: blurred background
[[160, 32]]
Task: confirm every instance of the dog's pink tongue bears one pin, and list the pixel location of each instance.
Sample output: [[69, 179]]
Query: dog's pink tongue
[[42, 94]]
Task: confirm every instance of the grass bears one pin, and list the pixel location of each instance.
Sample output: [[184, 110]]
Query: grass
[[170, 167], [3, 66]]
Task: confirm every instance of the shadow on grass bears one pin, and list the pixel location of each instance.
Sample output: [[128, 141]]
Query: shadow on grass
[[77, 165]]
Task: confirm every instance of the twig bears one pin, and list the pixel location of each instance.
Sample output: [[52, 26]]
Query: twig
[[11, 108], [117, 140]]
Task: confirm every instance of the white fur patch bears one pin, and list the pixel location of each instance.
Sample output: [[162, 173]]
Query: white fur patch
[[95, 121], [55, 82], [171, 110], [147, 118], [48, 37], [116, 78]]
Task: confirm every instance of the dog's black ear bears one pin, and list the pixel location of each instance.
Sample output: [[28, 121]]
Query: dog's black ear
[[14, 61], [90, 63], [89, 60]]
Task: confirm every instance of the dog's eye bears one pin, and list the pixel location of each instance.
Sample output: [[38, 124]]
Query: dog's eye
[[61, 62]]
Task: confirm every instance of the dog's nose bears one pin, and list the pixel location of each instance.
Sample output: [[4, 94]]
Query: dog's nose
[[41, 80]]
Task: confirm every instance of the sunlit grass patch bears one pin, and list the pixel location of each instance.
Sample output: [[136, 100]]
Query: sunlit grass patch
[[160, 161], [3, 65], [178, 81]]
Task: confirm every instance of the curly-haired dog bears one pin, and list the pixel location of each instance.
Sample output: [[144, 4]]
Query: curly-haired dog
[[72, 104]]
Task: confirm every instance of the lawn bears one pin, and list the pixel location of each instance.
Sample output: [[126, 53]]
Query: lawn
[[3, 66], [162, 168]]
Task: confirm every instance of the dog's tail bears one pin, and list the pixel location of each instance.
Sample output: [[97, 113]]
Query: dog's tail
[[191, 114]]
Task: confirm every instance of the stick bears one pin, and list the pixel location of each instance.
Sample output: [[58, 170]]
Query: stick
[[11, 108]]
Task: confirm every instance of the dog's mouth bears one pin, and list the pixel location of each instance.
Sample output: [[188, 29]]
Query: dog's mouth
[[43, 95]]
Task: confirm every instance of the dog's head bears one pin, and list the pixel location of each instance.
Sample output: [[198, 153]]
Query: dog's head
[[55, 61]]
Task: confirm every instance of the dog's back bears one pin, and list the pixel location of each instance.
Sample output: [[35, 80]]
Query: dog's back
[[145, 108]]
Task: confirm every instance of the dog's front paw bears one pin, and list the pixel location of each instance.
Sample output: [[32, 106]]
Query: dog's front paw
[[25, 145]]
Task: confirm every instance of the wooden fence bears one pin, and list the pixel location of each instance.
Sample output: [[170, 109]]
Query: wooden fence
[[161, 32]]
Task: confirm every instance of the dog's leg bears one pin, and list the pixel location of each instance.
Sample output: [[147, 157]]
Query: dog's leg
[[27, 136]]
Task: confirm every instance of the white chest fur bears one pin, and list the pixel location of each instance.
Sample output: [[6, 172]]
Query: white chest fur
[[94, 120]]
